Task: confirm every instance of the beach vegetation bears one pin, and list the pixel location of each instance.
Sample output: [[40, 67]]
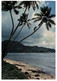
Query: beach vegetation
[[10, 71]]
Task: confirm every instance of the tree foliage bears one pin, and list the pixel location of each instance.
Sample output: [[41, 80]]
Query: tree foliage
[[45, 17], [28, 4]]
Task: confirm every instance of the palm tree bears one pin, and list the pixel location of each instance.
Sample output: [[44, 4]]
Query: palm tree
[[44, 17], [24, 19], [9, 5], [28, 4]]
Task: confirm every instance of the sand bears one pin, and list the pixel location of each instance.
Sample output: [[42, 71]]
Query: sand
[[32, 72]]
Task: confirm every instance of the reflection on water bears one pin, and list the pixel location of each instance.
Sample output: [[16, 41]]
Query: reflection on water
[[45, 61]]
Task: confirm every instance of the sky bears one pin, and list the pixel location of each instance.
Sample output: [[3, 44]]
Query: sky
[[42, 38]]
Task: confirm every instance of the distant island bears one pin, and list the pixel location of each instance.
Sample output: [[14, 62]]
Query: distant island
[[20, 48]]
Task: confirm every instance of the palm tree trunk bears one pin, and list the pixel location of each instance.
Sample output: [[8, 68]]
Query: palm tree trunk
[[25, 10], [5, 49], [18, 33], [12, 22], [11, 37]]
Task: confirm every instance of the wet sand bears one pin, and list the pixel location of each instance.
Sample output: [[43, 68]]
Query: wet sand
[[32, 72]]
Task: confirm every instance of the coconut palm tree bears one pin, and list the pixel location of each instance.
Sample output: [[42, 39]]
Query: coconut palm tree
[[28, 4], [24, 19], [44, 17], [9, 5]]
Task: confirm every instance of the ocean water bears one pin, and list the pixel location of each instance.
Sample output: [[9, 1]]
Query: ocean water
[[43, 61]]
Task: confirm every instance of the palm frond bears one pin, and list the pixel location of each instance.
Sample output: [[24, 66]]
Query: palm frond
[[44, 9], [33, 19], [16, 12], [42, 13], [28, 4], [50, 16], [37, 19], [51, 21], [37, 14], [40, 23], [37, 4], [48, 12], [47, 26], [28, 24], [33, 7], [21, 3]]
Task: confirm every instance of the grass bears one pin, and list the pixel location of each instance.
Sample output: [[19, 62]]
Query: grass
[[10, 71]]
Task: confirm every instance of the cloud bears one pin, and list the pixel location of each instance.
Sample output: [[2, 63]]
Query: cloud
[[48, 39]]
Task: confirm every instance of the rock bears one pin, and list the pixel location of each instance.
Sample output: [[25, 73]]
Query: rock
[[36, 75], [52, 76], [20, 69], [38, 78], [26, 73], [35, 71]]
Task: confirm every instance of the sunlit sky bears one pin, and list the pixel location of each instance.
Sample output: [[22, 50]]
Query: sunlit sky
[[42, 38]]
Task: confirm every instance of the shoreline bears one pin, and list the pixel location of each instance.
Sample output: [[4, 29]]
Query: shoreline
[[32, 72]]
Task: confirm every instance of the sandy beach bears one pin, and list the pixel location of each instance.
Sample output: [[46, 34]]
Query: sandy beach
[[32, 72]]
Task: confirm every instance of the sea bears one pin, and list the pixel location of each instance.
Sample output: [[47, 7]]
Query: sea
[[44, 61]]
